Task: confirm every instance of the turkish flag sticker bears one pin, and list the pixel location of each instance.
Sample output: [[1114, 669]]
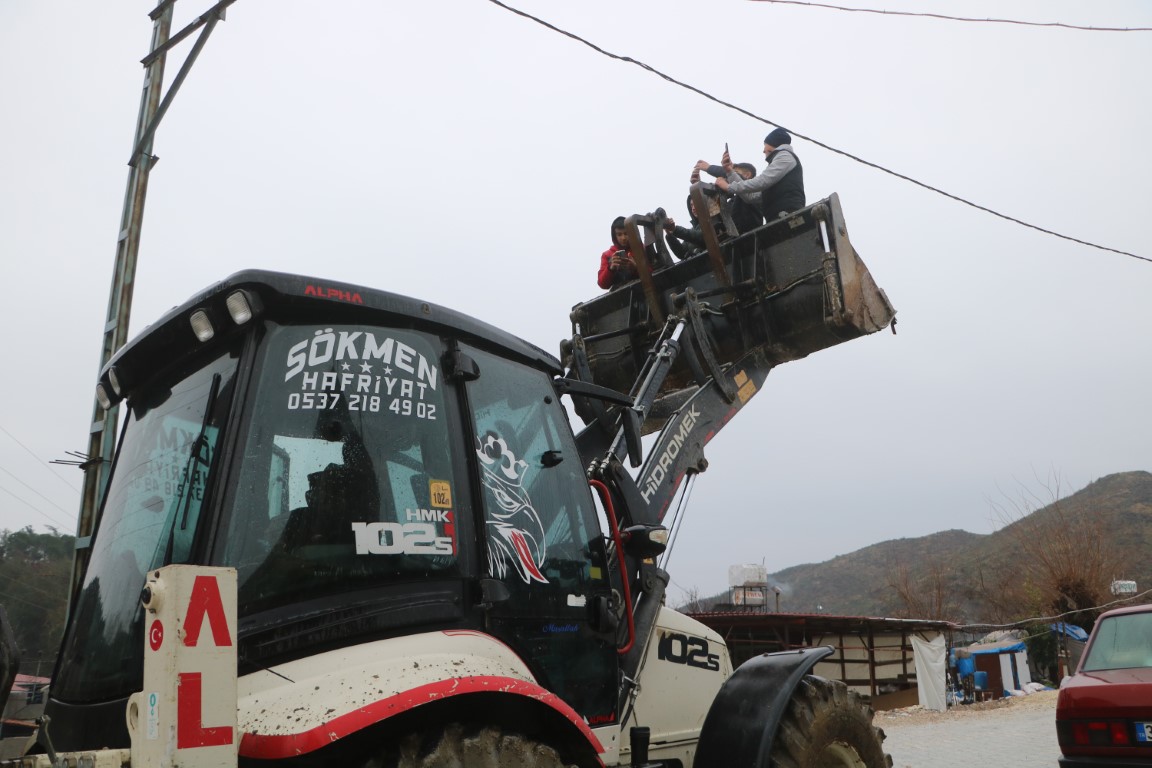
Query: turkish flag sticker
[[156, 635]]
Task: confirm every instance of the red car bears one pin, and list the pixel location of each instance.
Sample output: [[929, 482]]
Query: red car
[[1104, 712]]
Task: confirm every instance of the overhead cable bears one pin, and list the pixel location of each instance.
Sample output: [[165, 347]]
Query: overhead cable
[[961, 18], [27, 584], [1057, 617], [18, 599], [850, 156], [17, 479], [33, 507], [31, 453]]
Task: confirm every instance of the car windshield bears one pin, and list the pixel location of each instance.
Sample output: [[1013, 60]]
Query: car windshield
[[1121, 642]]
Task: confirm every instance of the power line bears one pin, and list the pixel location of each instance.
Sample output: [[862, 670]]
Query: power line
[[26, 602], [32, 587], [1047, 619], [850, 156], [962, 18], [5, 471], [33, 455], [33, 507]]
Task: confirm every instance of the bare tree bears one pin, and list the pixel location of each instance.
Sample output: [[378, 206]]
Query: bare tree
[[1062, 563], [929, 595], [692, 602]]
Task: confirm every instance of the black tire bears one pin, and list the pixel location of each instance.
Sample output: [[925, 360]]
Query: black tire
[[828, 726], [457, 747]]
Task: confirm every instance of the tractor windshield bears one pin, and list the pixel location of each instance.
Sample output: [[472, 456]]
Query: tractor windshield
[[346, 478], [341, 487], [151, 517]]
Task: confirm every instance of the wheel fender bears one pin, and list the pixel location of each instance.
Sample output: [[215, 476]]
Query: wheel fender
[[742, 721], [301, 706]]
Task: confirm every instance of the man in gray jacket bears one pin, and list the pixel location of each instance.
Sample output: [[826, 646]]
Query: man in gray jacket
[[780, 184]]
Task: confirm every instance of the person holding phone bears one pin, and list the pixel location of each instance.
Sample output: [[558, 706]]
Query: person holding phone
[[616, 263], [745, 206], [780, 184]]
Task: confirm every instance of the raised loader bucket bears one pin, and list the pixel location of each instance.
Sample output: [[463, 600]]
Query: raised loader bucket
[[789, 288]]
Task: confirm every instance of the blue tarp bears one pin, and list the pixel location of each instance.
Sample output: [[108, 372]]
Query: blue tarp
[[1008, 646], [1071, 630]]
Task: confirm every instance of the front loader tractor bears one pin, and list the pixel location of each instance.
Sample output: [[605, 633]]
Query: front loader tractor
[[430, 567]]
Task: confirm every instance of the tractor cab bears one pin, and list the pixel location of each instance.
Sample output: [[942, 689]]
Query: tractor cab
[[372, 466]]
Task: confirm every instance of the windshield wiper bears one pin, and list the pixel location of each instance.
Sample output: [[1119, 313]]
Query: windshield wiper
[[194, 458]]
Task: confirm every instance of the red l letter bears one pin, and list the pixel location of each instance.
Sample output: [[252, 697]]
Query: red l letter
[[190, 730]]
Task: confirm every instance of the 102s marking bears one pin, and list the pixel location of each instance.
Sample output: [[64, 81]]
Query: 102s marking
[[400, 539], [682, 649]]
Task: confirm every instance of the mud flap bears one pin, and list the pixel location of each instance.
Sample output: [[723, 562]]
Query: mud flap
[[742, 721]]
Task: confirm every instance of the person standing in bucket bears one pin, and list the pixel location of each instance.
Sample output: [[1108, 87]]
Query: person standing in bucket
[[780, 184], [616, 264]]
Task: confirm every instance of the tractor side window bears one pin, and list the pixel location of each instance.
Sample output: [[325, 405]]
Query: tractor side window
[[347, 478], [542, 535], [538, 508]]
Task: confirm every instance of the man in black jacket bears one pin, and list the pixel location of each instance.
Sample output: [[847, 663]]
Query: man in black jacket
[[781, 184]]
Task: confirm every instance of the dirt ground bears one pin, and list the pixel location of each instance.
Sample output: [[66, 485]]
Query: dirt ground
[[894, 718]]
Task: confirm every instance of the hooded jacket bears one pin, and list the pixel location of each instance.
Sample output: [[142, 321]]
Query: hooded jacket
[[607, 277]]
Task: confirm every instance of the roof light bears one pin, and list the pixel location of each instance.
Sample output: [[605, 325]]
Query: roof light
[[239, 307], [201, 325], [103, 398], [114, 380]]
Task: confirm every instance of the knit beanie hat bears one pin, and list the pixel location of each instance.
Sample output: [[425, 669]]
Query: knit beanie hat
[[778, 137]]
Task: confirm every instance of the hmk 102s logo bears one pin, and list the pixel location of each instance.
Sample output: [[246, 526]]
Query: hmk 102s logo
[[401, 539], [682, 649]]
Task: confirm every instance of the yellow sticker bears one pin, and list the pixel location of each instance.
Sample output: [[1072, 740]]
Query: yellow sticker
[[441, 493], [746, 385]]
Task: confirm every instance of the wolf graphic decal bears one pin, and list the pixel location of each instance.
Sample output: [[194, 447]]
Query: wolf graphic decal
[[515, 533]]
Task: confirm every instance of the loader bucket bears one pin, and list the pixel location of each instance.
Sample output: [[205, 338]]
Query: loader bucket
[[788, 289]]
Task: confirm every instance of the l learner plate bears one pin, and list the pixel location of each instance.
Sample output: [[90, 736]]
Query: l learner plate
[[1144, 733]]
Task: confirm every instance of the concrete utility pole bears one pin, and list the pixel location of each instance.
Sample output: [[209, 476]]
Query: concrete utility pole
[[102, 434]]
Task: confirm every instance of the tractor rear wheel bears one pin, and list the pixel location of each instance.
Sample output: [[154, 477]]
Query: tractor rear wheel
[[828, 726], [454, 746]]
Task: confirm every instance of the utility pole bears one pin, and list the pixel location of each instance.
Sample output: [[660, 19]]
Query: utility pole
[[102, 433]]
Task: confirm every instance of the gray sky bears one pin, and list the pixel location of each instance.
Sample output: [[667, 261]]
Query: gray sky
[[459, 153]]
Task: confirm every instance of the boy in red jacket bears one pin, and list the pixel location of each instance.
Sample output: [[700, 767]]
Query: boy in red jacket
[[616, 264]]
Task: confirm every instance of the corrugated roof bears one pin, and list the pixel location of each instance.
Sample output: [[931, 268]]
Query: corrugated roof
[[816, 620]]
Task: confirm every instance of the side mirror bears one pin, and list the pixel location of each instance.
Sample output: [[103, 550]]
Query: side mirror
[[645, 541], [603, 616], [630, 421]]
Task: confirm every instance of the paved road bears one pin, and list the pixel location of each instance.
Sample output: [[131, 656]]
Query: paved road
[[1019, 738]]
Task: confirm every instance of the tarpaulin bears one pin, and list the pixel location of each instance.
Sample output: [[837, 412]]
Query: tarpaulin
[[930, 655]]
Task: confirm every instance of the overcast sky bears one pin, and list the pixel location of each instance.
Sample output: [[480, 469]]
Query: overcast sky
[[462, 154]]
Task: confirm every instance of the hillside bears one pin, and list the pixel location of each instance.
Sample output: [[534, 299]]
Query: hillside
[[1101, 532], [858, 583]]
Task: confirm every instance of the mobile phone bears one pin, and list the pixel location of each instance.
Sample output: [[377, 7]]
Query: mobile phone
[[725, 147]]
